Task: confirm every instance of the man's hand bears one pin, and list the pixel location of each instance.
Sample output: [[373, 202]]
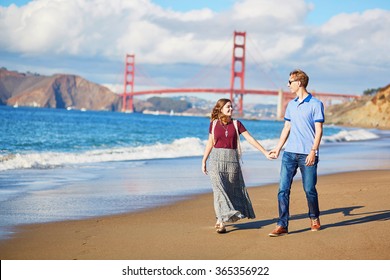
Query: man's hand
[[310, 159]]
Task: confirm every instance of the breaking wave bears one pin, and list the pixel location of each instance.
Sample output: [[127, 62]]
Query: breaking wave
[[183, 147]]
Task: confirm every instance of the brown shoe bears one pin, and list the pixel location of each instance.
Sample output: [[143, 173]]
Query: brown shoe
[[278, 231], [315, 224]]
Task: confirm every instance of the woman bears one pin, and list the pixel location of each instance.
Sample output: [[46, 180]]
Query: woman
[[231, 200]]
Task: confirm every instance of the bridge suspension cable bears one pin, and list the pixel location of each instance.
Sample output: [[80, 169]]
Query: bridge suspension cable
[[279, 82], [206, 71], [148, 81]]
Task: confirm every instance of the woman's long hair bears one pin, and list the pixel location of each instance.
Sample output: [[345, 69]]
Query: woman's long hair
[[216, 113]]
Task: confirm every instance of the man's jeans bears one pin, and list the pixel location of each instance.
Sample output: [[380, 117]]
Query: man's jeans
[[290, 163]]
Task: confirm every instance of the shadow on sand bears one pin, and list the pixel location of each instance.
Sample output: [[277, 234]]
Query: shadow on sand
[[361, 218]]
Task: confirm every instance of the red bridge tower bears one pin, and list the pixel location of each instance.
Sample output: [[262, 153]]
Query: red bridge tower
[[238, 71], [127, 103]]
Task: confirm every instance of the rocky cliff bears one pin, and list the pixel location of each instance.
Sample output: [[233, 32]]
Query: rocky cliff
[[57, 91], [371, 112]]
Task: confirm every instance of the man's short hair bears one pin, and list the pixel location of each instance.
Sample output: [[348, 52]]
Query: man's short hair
[[299, 75]]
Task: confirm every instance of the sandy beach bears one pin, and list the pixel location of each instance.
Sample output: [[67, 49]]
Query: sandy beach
[[355, 218]]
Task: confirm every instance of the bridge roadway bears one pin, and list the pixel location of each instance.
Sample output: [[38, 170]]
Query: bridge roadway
[[237, 91], [205, 90], [283, 97]]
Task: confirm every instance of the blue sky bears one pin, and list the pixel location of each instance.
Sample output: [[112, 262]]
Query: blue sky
[[342, 45]]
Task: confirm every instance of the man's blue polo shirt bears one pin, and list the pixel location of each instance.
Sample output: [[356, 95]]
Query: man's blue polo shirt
[[302, 117]]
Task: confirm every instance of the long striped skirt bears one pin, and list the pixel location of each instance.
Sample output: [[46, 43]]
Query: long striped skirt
[[231, 199]]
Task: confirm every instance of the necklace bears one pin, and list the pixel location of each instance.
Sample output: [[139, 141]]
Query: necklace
[[226, 129]]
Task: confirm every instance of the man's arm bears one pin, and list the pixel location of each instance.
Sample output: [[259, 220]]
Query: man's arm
[[282, 139], [310, 159]]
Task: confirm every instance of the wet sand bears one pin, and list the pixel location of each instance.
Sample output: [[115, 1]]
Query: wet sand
[[355, 219]]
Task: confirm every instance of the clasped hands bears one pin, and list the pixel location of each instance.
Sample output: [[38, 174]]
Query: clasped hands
[[273, 154]]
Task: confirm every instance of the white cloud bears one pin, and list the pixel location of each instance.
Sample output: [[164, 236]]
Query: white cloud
[[358, 38], [113, 27], [276, 33], [285, 11]]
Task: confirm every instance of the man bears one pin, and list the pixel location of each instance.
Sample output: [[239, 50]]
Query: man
[[304, 118]]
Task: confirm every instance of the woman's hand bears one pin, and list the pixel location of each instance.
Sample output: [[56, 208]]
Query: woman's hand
[[207, 151], [204, 168]]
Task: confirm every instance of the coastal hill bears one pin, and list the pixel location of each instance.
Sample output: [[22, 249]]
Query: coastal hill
[[370, 112], [57, 91], [63, 91]]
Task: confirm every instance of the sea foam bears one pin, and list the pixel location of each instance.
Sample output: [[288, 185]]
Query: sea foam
[[183, 147]]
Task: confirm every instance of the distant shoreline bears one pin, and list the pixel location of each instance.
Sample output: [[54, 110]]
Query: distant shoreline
[[206, 115]]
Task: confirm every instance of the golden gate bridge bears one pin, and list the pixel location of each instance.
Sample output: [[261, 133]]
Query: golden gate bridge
[[237, 89]]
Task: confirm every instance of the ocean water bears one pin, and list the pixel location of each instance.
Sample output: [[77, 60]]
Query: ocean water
[[58, 164]]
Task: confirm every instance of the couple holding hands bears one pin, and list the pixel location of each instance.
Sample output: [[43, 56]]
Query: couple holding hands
[[304, 120]]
